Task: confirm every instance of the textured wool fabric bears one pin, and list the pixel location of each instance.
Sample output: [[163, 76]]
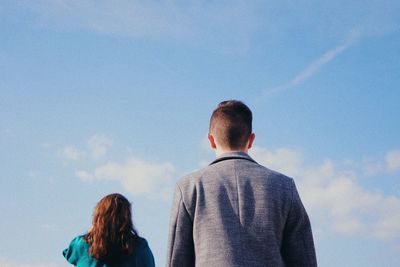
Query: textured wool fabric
[[236, 212]]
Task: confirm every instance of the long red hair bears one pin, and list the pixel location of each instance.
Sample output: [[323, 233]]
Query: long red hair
[[112, 236]]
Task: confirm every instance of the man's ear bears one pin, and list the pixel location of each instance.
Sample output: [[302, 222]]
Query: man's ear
[[251, 140], [212, 141]]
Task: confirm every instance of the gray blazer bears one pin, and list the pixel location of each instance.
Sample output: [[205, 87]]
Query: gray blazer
[[236, 212]]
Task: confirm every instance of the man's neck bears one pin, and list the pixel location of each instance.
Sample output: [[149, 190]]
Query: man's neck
[[219, 151]]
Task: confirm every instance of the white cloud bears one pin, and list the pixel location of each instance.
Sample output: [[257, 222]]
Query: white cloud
[[334, 198], [98, 145], [393, 160], [390, 164], [285, 159], [137, 176], [10, 263], [71, 153], [372, 168], [84, 175]]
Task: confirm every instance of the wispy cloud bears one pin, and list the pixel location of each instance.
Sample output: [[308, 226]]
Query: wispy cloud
[[217, 25], [212, 24], [335, 199], [314, 66]]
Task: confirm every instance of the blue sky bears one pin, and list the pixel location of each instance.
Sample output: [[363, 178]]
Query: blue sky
[[98, 98]]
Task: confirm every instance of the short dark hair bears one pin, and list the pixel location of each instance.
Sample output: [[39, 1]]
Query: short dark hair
[[231, 124]]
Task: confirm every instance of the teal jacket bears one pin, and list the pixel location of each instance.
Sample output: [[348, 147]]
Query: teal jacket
[[78, 254]]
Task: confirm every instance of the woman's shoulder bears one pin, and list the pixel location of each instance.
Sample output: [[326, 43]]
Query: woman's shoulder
[[141, 241], [80, 241], [141, 245], [143, 252]]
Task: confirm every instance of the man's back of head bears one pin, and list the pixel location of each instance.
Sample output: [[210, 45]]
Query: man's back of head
[[231, 127]]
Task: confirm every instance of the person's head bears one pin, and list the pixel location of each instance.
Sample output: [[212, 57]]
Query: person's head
[[112, 236], [231, 127]]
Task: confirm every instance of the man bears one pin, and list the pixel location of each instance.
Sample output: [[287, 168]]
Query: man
[[236, 212]]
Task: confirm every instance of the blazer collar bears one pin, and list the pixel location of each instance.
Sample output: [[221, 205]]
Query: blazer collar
[[233, 155]]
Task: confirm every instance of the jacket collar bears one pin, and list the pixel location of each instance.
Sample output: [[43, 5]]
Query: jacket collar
[[233, 155]]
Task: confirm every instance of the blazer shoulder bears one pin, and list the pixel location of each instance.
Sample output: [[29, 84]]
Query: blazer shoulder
[[193, 177], [262, 170]]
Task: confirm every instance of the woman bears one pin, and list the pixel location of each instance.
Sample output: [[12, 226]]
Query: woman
[[112, 239]]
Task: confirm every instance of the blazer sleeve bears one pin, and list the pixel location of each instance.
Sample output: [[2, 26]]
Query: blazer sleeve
[[298, 244], [180, 241]]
